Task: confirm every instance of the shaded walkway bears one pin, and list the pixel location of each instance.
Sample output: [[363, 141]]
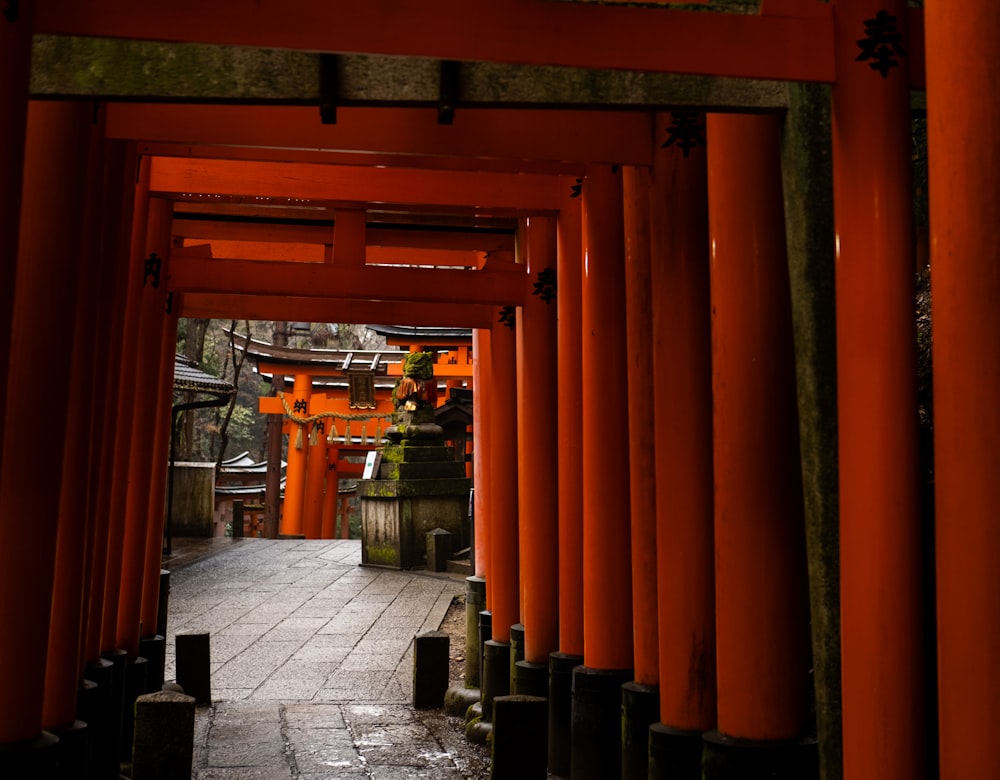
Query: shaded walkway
[[312, 664]]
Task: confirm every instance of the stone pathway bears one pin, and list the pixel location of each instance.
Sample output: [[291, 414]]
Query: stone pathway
[[312, 665]]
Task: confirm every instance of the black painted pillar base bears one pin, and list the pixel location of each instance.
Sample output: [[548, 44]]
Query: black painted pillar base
[[730, 758], [530, 679], [496, 675], [73, 750], [136, 673], [674, 754], [97, 707], [519, 750], [516, 650], [34, 758], [485, 633], [163, 604], [596, 739], [475, 600], [640, 710], [561, 667], [119, 660], [153, 649]]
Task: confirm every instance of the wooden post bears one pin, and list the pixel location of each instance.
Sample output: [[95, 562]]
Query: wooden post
[[316, 468], [482, 366], [682, 377], [143, 426], [56, 165], [885, 733], [295, 471], [536, 445], [504, 566], [607, 579], [965, 185], [569, 412], [761, 594], [15, 64]]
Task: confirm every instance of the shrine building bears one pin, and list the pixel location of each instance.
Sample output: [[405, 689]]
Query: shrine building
[[713, 489]]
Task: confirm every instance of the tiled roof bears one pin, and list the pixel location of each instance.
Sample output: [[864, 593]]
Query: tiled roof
[[188, 377]]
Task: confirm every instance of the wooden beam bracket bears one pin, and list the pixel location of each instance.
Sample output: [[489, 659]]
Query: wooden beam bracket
[[448, 94]]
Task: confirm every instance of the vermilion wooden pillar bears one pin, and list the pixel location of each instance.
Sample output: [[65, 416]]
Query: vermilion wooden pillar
[[761, 586], [116, 239], [143, 423], [15, 64], [881, 625], [504, 574], [331, 519], [536, 445], [160, 445], [316, 468], [295, 471], [569, 412], [962, 136], [482, 365], [640, 697], [56, 160], [63, 667], [123, 414], [682, 409], [607, 577]]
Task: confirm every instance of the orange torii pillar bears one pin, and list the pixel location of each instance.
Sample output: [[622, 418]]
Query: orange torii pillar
[[607, 579], [504, 578], [885, 733], [330, 527], [640, 697], [63, 671], [151, 642], [962, 134], [15, 64], [292, 510], [536, 444], [761, 585], [316, 469], [477, 594], [569, 470], [56, 170], [682, 376]]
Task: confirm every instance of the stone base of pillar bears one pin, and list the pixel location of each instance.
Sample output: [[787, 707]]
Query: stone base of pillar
[[153, 649], [640, 710], [496, 674], [136, 675], [519, 738], [475, 600], [477, 729], [728, 758], [35, 758], [73, 750], [674, 754], [561, 667], [97, 708], [530, 679], [457, 700], [516, 650], [596, 738], [485, 632], [119, 662]]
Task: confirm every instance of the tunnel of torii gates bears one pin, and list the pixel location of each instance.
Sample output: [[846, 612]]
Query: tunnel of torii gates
[[766, 482]]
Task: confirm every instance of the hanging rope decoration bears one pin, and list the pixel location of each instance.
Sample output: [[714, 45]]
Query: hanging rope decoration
[[301, 420]]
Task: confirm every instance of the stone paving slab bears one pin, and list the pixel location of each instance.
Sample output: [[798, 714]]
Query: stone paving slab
[[312, 665]]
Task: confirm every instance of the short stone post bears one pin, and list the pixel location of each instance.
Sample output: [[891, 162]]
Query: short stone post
[[520, 738], [438, 549], [163, 748], [430, 670], [194, 670]]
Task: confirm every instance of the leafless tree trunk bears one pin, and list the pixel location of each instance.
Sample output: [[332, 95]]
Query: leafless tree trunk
[[272, 486], [238, 358]]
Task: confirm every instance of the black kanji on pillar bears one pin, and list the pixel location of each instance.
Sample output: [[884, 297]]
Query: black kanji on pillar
[[508, 316], [545, 286], [576, 189], [152, 269], [686, 132], [882, 44], [301, 405]]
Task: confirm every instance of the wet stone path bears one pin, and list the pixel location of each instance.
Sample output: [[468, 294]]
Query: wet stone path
[[312, 664]]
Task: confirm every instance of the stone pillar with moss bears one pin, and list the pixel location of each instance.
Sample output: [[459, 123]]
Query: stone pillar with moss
[[418, 486]]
